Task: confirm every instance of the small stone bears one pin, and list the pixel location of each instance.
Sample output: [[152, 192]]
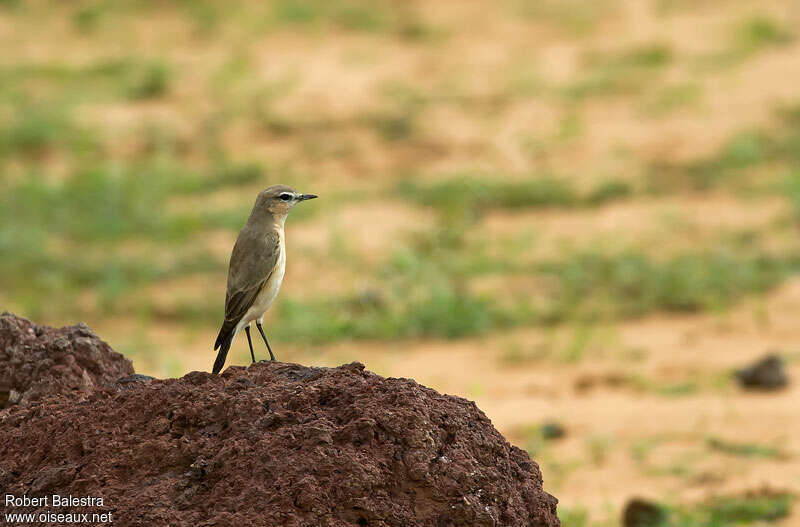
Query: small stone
[[136, 377], [552, 430], [767, 373], [642, 513]]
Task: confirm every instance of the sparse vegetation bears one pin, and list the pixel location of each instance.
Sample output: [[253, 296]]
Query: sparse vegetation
[[147, 81], [743, 449], [572, 16], [560, 193], [350, 15], [474, 196], [750, 36], [573, 517], [760, 31], [618, 73], [429, 296], [672, 98], [631, 284], [738, 165], [755, 509]]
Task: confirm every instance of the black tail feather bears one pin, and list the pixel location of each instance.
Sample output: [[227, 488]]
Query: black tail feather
[[224, 340]]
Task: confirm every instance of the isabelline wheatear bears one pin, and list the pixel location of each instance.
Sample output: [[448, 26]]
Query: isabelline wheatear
[[256, 269]]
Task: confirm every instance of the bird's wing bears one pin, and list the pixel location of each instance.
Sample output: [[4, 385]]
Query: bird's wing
[[252, 261]]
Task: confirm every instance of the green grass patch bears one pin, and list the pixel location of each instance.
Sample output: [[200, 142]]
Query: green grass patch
[[572, 16], [47, 283], [743, 449], [649, 55], [622, 72], [472, 196], [608, 191], [33, 131], [218, 177], [665, 389], [111, 203], [427, 291], [38, 103], [424, 294], [760, 31], [147, 81], [351, 15], [631, 284], [392, 125], [93, 205], [749, 37], [476, 195], [444, 313], [757, 508], [64, 85], [62, 238], [750, 509], [671, 98], [733, 166], [397, 120], [573, 516], [419, 297], [537, 437], [86, 18]]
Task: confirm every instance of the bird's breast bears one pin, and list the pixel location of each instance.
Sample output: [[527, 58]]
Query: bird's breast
[[270, 290]]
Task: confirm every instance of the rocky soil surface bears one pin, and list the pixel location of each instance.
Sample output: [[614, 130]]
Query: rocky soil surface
[[273, 444], [39, 361]]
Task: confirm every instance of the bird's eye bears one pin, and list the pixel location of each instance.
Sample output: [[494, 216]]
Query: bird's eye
[[286, 196]]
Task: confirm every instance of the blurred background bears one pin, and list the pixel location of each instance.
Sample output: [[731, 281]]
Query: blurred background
[[582, 215]]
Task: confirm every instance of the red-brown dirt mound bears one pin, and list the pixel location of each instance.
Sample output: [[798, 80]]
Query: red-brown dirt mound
[[276, 445], [38, 361]]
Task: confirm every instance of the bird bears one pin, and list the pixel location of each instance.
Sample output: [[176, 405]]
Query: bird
[[256, 268]]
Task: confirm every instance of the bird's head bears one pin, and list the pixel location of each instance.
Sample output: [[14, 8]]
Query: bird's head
[[278, 200]]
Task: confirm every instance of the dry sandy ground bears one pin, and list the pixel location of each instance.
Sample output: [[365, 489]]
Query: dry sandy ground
[[640, 399], [623, 436]]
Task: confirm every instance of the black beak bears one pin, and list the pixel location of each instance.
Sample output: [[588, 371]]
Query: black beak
[[303, 197]]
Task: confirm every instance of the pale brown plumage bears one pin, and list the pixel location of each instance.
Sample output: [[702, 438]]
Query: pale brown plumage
[[256, 267], [256, 255]]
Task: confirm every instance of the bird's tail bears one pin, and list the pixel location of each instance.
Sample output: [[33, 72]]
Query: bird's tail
[[224, 340]]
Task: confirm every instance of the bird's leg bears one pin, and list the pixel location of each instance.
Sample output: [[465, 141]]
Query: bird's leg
[[258, 325], [250, 342]]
